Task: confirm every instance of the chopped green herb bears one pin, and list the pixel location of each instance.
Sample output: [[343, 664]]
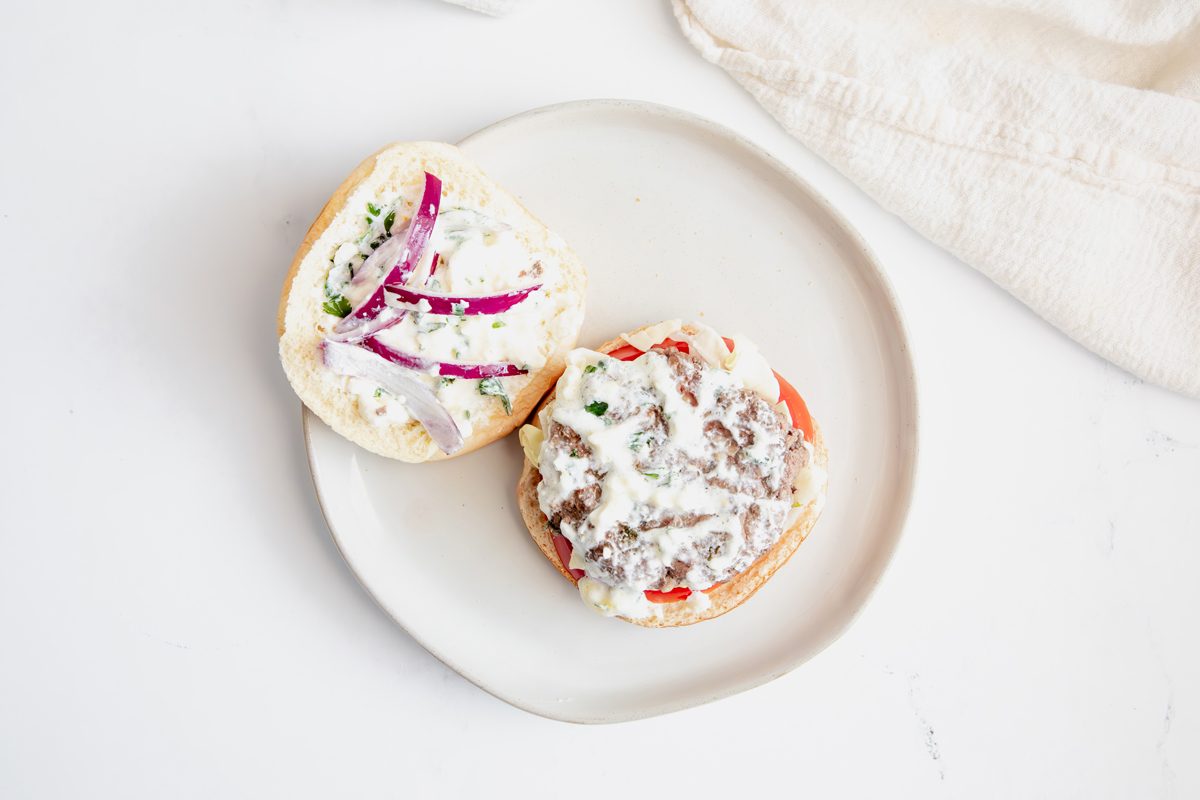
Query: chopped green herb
[[372, 209], [378, 393], [334, 302], [336, 305], [389, 221], [492, 387], [467, 413], [637, 440], [498, 324], [574, 453], [597, 407], [460, 310], [433, 326], [653, 475], [447, 381], [590, 368]]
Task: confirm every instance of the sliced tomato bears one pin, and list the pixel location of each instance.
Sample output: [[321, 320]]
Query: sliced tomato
[[673, 596], [669, 343], [796, 407], [625, 352], [563, 546], [628, 352]]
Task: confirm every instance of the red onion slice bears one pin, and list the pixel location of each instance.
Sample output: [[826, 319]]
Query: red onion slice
[[406, 297], [384, 320], [419, 399], [387, 253], [419, 229], [448, 368]]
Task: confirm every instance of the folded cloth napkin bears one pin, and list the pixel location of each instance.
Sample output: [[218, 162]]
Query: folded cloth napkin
[[1052, 144]]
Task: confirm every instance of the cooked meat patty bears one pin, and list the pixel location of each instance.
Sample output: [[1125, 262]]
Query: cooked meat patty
[[665, 471]]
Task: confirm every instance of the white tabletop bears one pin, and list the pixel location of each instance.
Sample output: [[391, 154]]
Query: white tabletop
[[175, 619]]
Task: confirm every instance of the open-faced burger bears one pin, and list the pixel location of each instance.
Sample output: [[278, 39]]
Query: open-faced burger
[[427, 311], [670, 473]]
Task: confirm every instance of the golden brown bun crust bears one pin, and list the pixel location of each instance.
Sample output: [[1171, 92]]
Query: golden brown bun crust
[[400, 167], [725, 597]]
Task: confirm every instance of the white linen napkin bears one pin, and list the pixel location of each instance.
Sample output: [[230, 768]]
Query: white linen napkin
[[1053, 145]]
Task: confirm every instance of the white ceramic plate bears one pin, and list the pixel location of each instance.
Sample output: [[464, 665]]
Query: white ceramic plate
[[674, 217]]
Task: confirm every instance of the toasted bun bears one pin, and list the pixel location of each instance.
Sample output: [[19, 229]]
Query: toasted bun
[[725, 597], [398, 169]]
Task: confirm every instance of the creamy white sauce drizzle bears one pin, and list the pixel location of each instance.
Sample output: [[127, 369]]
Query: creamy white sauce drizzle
[[477, 255], [612, 601], [632, 492]]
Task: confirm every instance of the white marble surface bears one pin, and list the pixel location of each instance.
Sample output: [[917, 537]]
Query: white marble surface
[[175, 620]]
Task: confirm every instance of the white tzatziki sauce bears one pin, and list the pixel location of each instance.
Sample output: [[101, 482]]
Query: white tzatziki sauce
[[477, 255], [671, 470]]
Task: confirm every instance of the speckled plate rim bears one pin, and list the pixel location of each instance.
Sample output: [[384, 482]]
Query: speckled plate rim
[[908, 382]]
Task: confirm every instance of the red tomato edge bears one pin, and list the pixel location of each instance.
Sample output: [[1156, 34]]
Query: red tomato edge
[[674, 596], [562, 545]]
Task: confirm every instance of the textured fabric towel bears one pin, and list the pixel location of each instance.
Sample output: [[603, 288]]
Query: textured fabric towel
[[1055, 146]]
